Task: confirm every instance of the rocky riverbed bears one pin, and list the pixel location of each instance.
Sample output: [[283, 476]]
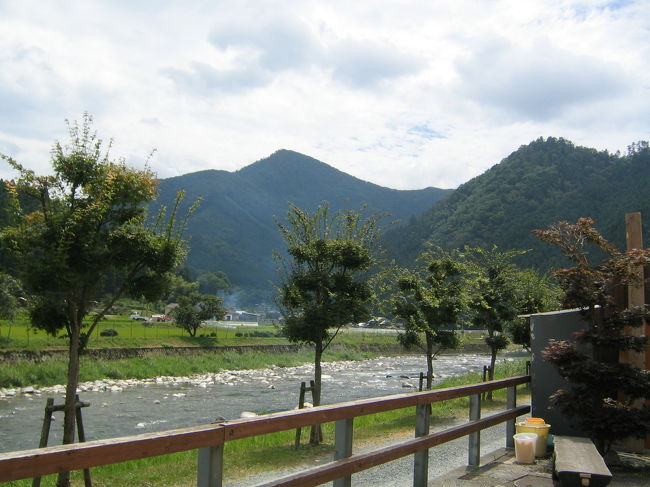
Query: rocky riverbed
[[122, 407]]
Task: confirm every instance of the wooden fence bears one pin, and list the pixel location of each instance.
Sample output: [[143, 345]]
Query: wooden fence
[[210, 439]]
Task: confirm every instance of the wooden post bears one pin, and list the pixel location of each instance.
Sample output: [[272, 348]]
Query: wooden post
[[343, 447], [301, 405], [45, 432], [317, 427], [210, 467], [429, 378], [82, 438], [511, 403], [421, 458], [486, 369], [474, 458], [635, 297]]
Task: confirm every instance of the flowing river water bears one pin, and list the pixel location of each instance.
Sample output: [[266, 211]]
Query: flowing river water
[[120, 408]]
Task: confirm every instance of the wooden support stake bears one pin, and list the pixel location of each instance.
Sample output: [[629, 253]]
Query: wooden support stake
[[301, 405], [316, 429], [45, 432]]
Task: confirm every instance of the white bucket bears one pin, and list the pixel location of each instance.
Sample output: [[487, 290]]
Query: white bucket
[[525, 444]]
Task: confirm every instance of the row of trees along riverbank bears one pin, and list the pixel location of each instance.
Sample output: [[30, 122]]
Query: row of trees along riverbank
[[87, 224]]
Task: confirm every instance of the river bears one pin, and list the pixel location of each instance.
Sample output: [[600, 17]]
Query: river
[[121, 408]]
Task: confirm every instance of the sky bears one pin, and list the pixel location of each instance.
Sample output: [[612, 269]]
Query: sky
[[402, 93]]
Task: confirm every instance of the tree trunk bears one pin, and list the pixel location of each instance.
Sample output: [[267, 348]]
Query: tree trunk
[[70, 398], [429, 339], [316, 435]]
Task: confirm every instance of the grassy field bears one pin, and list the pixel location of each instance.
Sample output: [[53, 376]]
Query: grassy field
[[18, 335], [249, 456]]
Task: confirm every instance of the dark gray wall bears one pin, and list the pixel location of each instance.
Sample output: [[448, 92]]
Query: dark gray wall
[[557, 325]]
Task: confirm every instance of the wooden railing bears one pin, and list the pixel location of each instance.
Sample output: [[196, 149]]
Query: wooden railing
[[210, 439]]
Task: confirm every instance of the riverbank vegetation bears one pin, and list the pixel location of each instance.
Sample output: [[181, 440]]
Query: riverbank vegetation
[[258, 455], [29, 373]]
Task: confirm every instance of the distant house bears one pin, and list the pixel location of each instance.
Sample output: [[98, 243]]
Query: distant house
[[242, 316]]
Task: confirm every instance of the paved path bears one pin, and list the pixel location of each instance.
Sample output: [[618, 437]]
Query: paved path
[[399, 473]]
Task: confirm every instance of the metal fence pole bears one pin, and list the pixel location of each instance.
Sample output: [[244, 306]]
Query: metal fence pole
[[210, 467], [511, 403], [343, 446], [474, 458], [421, 458]]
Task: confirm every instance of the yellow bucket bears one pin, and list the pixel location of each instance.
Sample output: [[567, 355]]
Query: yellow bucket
[[540, 428]]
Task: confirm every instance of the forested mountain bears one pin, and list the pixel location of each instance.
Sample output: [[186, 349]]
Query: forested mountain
[[540, 183], [234, 229]]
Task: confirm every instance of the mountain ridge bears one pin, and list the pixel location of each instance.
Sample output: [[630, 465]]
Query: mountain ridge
[[234, 229], [540, 183]]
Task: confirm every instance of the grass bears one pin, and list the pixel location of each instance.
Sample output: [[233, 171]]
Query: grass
[[249, 456], [19, 335]]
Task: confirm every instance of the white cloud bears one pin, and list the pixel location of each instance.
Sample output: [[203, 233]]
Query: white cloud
[[406, 94], [538, 82]]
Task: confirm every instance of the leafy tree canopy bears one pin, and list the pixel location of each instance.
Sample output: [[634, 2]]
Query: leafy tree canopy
[[428, 299], [323, 278], [196, 308], [10, 294], [89, 223]]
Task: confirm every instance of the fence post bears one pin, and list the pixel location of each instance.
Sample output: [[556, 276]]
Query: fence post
[[343, 446], [301, 404], [511, 403], [474, 438], [210, 467], [421, 458]]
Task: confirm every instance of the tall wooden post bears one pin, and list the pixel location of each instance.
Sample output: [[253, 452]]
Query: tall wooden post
[[635, 297]]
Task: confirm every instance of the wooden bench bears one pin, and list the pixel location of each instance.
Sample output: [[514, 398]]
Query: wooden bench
[[576, 462]]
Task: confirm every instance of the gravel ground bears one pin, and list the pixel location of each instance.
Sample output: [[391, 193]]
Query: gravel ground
[[399, 473]]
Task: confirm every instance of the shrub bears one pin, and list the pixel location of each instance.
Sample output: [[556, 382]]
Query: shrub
[[606, 397]]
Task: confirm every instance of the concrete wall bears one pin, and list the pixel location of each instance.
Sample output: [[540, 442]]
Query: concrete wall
[[557, 325]]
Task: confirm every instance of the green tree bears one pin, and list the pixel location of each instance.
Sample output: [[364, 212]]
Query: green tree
[[177, 286], [90, 222], [10, 292], [323, 283], [535, 293], [196, 308], [494, 295], [214, 282], [428, 299]]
